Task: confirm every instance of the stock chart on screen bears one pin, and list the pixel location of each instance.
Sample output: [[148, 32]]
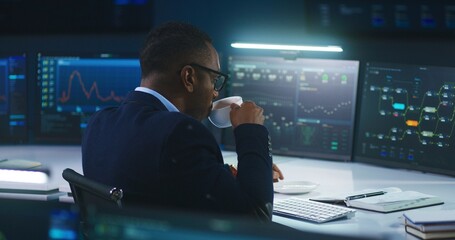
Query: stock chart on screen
[[407, 117], [74, 87], [13, 99], [309, 104]]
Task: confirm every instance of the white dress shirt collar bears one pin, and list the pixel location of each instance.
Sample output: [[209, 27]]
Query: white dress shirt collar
[[160, 97]]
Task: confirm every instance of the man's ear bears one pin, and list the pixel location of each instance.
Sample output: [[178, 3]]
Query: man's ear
[[188, 77]]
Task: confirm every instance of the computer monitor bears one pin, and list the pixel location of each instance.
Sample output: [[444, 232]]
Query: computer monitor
[[27, 219], [162, 223], [406, 117], [13, 98], [309, 104], [32, 219], [72, 87]]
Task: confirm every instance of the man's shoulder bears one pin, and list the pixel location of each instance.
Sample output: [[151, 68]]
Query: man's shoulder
[[163, 119], [175, 120], [181, 119], [173, 116]]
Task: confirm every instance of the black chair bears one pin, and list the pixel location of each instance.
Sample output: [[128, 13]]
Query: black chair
[[91, 194], [88, 193]]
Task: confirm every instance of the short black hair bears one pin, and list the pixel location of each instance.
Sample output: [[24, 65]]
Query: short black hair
[[173, 42]]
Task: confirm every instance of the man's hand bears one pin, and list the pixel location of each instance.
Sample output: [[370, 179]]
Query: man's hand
[[277, 174], [248, 112]]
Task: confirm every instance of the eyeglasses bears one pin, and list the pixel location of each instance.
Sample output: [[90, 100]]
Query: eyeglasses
[[220, 80]]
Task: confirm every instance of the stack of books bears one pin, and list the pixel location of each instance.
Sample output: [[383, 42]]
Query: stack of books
[[437, 224]]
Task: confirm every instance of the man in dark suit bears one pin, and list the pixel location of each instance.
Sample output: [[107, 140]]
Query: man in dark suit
[[155, 147]]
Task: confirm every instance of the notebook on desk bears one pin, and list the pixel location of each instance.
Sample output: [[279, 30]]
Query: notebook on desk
[[383, 200], [18, 164], [22, 179]]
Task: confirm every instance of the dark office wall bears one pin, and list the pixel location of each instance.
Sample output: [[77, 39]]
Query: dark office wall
[[236, 20], [286, 21], [265, 21]]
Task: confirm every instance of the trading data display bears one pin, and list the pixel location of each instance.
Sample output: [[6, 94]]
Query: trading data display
[[74, 87], [309, 104], [407, 117], [13, 99]]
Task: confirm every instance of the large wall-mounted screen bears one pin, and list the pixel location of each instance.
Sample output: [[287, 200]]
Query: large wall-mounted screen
[[13, 99], [407, 117], [309, 104], [72, 87]]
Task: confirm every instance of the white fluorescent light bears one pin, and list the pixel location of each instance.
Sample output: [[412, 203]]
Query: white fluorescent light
[[22, 176], [287, 47]]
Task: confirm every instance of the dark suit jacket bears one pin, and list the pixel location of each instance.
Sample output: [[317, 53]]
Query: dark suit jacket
[[168, 158]]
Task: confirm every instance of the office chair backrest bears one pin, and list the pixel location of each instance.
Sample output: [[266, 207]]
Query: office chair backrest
[[88, 193]]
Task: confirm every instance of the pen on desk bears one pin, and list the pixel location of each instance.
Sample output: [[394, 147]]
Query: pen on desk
[[365, 195]]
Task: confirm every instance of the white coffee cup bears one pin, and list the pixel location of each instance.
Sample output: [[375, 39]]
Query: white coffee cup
[[220, 116]]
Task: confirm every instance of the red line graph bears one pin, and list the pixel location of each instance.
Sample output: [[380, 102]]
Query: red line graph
[[66, 95]]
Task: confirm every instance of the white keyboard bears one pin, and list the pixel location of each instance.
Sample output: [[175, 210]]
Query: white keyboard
[[312, 211]]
